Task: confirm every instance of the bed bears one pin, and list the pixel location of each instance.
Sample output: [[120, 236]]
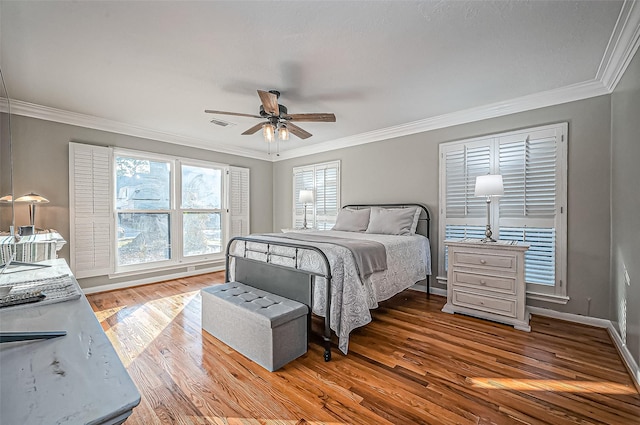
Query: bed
[[327, 271]]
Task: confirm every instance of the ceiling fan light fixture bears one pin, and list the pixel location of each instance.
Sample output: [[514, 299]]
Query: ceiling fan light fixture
[[283, 132], [269, 132]]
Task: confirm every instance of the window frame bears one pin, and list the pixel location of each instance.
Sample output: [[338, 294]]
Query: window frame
[[556, 293], [175, 211], [312, 213], [223, 210]]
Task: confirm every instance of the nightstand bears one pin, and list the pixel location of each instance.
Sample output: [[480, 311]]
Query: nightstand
[[486, 280]]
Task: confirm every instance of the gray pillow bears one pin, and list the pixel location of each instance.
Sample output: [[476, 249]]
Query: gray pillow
[[352, 220], [391, 221]]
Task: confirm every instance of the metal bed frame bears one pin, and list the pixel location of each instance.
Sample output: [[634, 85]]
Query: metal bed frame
[[292, 282]]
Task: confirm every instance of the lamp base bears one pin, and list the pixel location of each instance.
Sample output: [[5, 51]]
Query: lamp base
[[487, 235]]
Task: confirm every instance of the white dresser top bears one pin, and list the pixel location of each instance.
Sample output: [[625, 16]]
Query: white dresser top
[[74, 379]]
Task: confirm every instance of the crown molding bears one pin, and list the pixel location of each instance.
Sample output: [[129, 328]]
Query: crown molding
[[566, 94], [32, 110], [623, 44]]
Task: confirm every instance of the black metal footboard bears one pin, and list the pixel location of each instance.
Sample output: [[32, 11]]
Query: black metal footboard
[[289, 282]]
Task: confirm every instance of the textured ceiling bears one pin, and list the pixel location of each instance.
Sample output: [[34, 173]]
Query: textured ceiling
[[158, 65]]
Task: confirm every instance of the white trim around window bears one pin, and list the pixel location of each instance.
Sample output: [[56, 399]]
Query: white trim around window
[[324, 180], [533, 163], [216, 209]]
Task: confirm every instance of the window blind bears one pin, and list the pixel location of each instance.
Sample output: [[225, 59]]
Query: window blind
[[528, 164], [303, 179], [238, 201], [90, 209]]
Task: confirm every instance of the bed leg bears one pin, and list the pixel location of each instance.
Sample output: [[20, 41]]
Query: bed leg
[[327, 351], [327, 341], [428, 288]]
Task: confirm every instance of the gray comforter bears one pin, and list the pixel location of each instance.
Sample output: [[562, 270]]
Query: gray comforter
[[369, 256]]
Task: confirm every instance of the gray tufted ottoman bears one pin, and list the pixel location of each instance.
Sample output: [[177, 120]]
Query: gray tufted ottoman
[[266, 328]]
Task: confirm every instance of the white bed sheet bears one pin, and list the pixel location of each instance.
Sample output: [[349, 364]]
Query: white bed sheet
[[408, 261]]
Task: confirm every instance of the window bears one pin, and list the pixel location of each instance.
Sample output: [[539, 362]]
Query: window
[[201, 209], [165, 211], [533, 165], [143, 210], [324, 180]]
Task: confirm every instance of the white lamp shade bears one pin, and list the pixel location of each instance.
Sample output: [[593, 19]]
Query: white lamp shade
[[489, 185], [33, 198], [306, 196]]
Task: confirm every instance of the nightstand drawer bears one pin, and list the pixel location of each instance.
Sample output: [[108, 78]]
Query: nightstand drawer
[[496, 261], [504, 307], [498, 283]]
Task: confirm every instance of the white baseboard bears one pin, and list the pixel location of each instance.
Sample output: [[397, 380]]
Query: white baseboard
[[570, 317], [432, 290], [438, 291], [627, 358], [138, 282]]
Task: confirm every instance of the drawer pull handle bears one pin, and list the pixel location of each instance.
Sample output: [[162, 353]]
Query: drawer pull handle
[[481, 302], [482, 282], [483, 261]]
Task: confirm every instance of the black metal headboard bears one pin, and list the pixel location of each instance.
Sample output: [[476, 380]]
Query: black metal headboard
[[424, 221]]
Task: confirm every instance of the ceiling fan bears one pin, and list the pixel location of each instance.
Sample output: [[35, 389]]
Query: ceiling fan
[[278, 118]]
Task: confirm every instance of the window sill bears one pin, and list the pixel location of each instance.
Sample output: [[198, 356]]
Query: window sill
[[189, 266], [552, 298]]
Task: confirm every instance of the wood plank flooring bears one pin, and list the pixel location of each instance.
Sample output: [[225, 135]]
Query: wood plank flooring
[[412, 365]]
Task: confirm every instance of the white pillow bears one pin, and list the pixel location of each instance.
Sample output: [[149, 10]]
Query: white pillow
[[352, 220], [416, 218], [396, 221]]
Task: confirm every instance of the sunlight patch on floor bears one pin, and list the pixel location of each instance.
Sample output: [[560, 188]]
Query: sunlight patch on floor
[[144, 324], [103, 315], [555, 385]]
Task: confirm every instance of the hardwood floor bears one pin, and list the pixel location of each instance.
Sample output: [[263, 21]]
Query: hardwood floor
[[412, 365]]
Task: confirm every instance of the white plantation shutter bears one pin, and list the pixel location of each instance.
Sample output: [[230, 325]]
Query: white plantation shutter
[[463, 164], [326, 196], [533, 167], [464, 213], [528, 163], [238, 201], [90, 179], [324, 180], [303, 179]]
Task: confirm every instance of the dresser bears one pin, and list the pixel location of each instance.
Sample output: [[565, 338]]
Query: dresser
[[73, 379], [486, 280]]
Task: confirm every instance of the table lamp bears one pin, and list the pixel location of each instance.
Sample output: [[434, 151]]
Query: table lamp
[[306, 197], [489, 186], [32, 199]]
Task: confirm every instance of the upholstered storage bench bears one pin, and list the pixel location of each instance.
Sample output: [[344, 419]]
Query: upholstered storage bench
[[266, 328]]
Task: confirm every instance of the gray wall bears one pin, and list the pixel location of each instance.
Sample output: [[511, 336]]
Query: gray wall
[[41, 164], [625, 206], [405, 169]]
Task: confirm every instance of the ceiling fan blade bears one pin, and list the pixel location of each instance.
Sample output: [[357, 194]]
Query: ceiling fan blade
[[324, 117], [297, 131], [253, 129], [269, 102], [209, 111]]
